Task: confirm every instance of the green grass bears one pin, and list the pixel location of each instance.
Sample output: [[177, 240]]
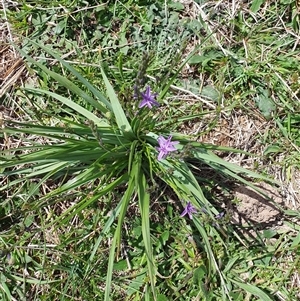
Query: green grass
[[87, 212]]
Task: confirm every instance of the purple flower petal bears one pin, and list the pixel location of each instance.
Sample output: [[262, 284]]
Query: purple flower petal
[[220, 215], [148, 99], [189, 210], [165, 146]]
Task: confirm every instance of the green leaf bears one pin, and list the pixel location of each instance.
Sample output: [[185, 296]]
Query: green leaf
[[110, 267], [85, 202], [254, 290], [176, 5], [218, 164], [67, 83], [199, 275], [196, 59], [265, 103], [255, 6], [120, 265], [135, 285], [292, 213], [144, 204], [269, 233], [120, 116], [82, 111], [70, 85], [296, 242], [210, 92], [6, 290], [183, 182], [285, 131], [271, 149], [161, 297], [117, 236], [125, 202]]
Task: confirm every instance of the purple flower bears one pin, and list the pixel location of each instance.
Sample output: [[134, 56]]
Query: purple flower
[[165, 146], [148, 99], [220, 215], [189, 210]]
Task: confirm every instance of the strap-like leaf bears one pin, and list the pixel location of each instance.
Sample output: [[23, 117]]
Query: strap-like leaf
[[120, 116]]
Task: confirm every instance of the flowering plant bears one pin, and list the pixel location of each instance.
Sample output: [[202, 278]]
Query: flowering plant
[[111, 148]]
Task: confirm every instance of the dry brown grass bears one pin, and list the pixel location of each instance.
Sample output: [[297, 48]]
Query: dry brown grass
[[12, 67]]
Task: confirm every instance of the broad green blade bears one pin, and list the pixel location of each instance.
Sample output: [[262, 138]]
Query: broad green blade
[[184, 183], [68, 84], [209, 157], [144, 204], [48, 172], [111, 261], [254, 290], [55, 153], [68, 102], [81, 205], [120, 116], [6, 290], [125, 202], [117, 236], [106, 134], [221, 166]]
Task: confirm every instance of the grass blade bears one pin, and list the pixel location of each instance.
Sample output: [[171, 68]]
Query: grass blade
[[209, 157], [104, 231], [117, 236], [120, 116], [68, 102], [144, 204], [61, 80], [254, 290]]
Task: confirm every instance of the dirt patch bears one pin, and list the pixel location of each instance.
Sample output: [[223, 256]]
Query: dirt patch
[[254, 207], [237, 130]]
